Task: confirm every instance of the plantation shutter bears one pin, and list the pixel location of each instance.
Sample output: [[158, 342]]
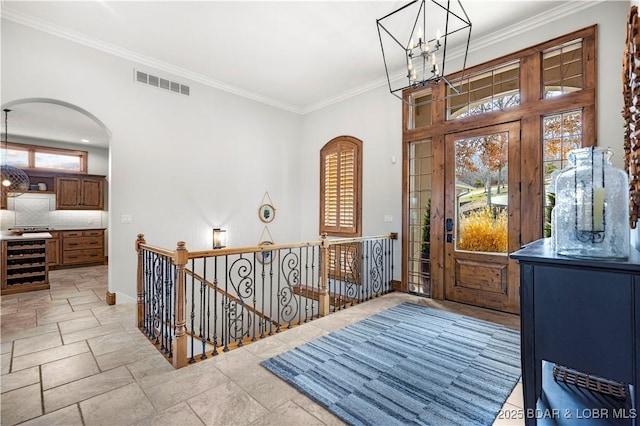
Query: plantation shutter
[[331, 190], [340, 187]]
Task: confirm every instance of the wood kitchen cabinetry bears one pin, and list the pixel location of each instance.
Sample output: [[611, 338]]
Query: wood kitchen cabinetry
[[73, 191], [80, 193], [82, 247], [53, 249]]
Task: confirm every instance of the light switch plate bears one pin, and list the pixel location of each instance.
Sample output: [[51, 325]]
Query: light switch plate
[[388, 218], [126, 218]]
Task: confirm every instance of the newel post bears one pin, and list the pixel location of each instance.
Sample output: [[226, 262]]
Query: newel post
[[324, 277], [180, 259], [140, 280]]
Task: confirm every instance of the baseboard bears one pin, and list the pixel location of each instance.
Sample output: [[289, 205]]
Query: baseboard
[[397, 286], [125, 299]]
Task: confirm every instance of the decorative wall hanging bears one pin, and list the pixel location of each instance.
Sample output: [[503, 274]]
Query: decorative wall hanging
[[631, 113], [266, 211], [265, 257]]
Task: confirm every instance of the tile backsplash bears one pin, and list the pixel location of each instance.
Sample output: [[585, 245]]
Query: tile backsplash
[[32, 211], [39, 210]]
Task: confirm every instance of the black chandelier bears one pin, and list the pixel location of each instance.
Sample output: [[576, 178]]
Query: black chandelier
[[13, 181], [414, 41]]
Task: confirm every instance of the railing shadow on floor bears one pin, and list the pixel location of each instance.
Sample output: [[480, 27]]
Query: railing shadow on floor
[[195, 305]]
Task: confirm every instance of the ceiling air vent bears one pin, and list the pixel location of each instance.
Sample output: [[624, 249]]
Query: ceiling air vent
[[163, 83]]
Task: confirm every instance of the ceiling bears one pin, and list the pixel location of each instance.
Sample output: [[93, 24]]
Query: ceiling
[[296, 55]]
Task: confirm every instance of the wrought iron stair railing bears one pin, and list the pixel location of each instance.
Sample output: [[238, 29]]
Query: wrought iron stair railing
[[195, 305]]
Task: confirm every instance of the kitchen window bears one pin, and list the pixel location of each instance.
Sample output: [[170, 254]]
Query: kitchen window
[[46, 158]]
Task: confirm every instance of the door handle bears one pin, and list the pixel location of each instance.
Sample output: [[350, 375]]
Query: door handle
[[449, 225]]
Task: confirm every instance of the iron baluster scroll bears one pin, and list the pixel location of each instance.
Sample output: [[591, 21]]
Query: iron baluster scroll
[[288, 308], [242, 281], [375, 257]]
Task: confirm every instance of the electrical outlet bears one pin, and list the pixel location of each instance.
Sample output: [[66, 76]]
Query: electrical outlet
[[126, 218]]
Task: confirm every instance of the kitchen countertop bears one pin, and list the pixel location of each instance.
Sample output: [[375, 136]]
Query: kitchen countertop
[[9, 236], [69, 228], [62, 228]]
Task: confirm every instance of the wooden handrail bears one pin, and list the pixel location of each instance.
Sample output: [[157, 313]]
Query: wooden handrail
[[253, 249], [156, 250], [360, 239], [260, 249]]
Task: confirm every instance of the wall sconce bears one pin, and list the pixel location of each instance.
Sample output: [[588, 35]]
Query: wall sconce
[[219, 238]]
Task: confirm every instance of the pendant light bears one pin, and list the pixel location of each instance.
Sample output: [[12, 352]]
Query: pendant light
[[417, 41], [13, 181]]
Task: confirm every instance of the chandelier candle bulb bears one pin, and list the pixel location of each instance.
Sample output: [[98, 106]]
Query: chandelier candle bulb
[[433, 59]]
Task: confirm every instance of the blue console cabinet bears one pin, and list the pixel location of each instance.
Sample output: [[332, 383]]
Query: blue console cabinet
[[583, 314]]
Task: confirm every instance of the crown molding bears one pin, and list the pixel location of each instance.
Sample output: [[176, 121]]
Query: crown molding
[[112, 49], [554, 14]]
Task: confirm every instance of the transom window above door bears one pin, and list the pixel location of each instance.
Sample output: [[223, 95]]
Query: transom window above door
[[46, 158]]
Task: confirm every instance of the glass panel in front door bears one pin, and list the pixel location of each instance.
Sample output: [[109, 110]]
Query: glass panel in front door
[[481, 191]]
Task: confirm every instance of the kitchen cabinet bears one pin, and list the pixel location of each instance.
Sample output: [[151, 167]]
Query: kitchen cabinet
[[82, 247], [53, 249], [24, 265], [80, 192]]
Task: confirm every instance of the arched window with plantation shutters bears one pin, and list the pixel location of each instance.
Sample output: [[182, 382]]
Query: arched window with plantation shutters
[[341, 187]]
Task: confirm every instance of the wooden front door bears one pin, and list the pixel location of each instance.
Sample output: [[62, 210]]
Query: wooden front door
[[482, 216]]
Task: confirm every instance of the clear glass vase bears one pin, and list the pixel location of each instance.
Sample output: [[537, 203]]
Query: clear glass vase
[[591, 215]]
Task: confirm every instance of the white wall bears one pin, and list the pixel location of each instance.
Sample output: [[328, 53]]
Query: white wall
[[374, 117], [179, 164]]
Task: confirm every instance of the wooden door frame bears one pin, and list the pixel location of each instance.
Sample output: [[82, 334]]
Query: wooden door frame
[[529, 113]]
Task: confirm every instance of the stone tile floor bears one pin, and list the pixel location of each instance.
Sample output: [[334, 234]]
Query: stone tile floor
[[69, 359]]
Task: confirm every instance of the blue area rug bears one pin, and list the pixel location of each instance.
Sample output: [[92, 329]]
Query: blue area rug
[[408, 365]]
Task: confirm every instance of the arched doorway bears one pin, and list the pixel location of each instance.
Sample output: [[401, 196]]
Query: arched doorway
[[57, 124]]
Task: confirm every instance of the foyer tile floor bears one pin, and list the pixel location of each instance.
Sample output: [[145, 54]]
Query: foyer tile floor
[[69, 359]]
